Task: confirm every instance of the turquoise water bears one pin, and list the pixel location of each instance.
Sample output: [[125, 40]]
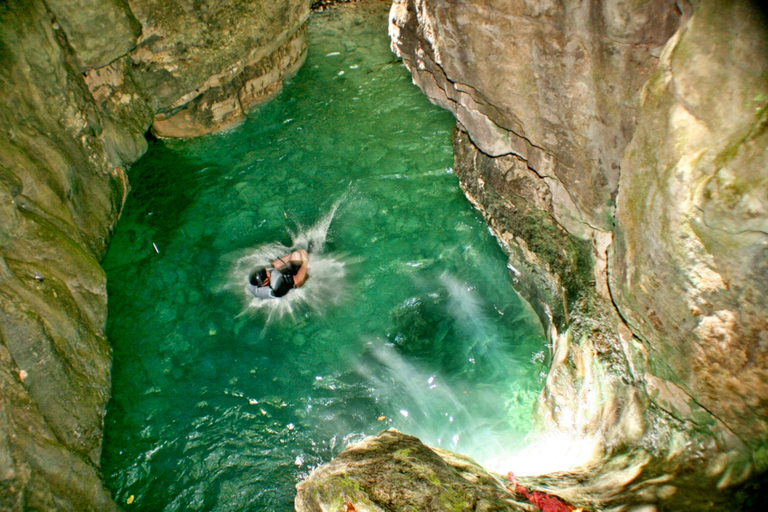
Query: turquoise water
[[407, 321]]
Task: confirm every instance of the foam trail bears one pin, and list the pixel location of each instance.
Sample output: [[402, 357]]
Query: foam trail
[[464, 306], [326, 273], [427, 405]]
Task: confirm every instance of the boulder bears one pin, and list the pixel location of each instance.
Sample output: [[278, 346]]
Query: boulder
[[395, 472]]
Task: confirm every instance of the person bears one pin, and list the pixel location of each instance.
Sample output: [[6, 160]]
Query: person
[[286, 273]]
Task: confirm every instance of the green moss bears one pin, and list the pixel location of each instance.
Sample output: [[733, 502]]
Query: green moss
[[343, 490], [568, 257], [402, 454], [752, 132], [760, 456]]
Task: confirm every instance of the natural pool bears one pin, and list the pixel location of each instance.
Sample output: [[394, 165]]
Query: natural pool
[[408, 320]]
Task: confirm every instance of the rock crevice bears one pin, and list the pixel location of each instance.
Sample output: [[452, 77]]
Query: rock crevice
[[617, 152]]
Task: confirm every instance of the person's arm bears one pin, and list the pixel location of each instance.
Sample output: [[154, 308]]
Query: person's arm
[[300, 257], [301, 275], [296, 258]]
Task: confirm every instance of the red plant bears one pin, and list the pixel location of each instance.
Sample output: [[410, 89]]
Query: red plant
[[546, 502]]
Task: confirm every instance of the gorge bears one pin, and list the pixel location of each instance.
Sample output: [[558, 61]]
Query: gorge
[[616, 150]]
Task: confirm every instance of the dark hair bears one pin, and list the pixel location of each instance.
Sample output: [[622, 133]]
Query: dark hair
[[258, 276]]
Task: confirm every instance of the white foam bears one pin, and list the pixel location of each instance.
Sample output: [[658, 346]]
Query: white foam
[[326, 282]]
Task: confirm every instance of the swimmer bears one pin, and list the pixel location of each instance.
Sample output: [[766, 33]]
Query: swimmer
[[286, 273]]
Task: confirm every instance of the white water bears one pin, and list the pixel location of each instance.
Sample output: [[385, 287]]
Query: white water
[[326, 283]]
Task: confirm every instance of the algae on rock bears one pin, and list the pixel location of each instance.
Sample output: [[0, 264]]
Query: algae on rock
[[394, 471]]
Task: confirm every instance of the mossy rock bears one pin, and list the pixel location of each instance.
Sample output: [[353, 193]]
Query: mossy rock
[[396, 472]]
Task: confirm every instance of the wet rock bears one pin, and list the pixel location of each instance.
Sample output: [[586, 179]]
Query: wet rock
[[396, 472], [81, 83], [628, 188]]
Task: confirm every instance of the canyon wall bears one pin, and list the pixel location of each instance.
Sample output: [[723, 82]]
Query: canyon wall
[[618, 152], [81, 81]]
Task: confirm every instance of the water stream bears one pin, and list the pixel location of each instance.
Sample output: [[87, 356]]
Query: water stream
[[407, 321]]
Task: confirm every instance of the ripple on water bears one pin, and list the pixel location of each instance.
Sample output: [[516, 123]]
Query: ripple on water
[[407, 320]]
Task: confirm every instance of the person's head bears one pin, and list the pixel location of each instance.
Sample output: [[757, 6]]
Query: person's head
[[259, 277]]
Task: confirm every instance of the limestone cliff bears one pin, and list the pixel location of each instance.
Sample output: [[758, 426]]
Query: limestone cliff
[[617, 150], [204, 64], [689, 265], [81, 81]]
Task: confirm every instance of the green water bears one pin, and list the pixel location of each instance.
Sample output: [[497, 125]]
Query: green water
[[407, 320]]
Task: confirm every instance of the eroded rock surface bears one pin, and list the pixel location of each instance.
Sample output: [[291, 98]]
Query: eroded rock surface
[[61, 190], [98, 31], [550, 81], [204, 64], [396, 472], [81, 81], [617, 151], [689, 266]]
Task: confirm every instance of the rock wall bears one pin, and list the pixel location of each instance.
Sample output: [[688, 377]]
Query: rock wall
[[617, 150], [81, 81], [61, 190], [689, 265], [204, 64]]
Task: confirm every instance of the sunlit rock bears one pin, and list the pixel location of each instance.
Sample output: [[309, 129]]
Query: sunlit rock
[[689, 269], [394, 471]]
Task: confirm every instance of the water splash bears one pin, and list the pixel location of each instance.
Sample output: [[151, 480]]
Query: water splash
[[551, 453], [465, 308], [443, 405], [232, 404], [326, 282], [313, 239]]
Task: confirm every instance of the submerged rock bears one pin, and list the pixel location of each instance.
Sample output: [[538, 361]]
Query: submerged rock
[[396, 472]]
